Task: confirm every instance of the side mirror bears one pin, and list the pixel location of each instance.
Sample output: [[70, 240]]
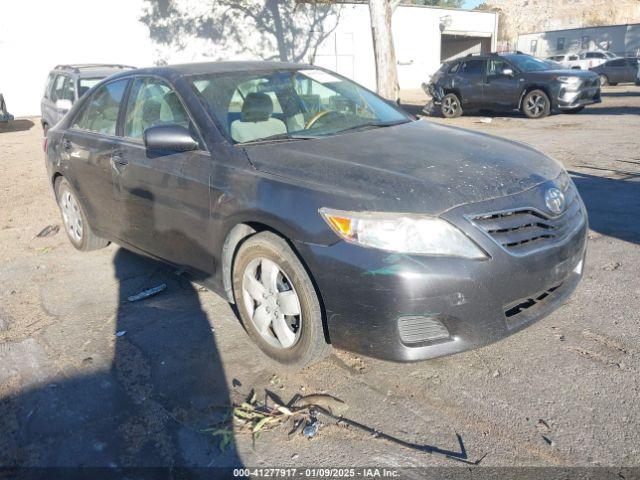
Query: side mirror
[[170, 138], [64, 105], [507, 72]]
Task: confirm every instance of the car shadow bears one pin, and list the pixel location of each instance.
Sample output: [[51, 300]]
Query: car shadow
[[621, 94], [612, 204], [147, 407], [19, 125]]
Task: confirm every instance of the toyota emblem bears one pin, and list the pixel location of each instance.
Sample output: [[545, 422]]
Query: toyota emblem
[[554, 199]]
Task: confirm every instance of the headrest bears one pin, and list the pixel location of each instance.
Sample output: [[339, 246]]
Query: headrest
[[257, 107], [151, 111]]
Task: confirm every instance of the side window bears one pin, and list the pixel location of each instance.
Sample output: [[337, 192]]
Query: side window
[[48, 85], [472, 67], [573, 57], [58, 88], [454, 68], [100, 112], [68, 90], [496, 67], [152, 102]]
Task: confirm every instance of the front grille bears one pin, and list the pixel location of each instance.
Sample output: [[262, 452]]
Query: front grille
[[519, 311], [527, 230]]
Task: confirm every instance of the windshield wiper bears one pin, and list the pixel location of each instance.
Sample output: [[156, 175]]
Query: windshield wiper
[[362, 126], [280, 136]]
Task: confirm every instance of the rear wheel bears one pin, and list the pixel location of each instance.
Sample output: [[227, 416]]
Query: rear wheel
[[75, 219], [604, 80], [451, 107], [277, 302], [536, 104]]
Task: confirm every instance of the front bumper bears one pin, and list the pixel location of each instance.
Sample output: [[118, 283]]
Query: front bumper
[[368, 293], [570, 99]]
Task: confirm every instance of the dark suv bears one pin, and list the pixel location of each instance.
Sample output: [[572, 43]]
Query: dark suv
[[328, 215], [503, 82], [66, 84]]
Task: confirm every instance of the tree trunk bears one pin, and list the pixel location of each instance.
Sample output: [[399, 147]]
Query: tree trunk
[[386, 69]]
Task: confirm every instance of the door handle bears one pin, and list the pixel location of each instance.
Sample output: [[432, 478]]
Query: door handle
[[117, 158]]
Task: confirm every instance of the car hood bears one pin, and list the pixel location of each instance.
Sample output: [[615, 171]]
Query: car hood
[[417, 167]]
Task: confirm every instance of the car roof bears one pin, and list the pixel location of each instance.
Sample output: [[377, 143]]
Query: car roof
[[92, 70], [204, 68]]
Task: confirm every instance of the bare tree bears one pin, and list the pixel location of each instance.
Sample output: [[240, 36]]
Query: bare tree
[[385, 55]]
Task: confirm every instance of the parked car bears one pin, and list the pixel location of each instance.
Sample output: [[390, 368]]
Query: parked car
[[5, 116], [619, 70], [503, 82], [66, 84], [594, 58], [329, 216], [566, 60], [638, 77]]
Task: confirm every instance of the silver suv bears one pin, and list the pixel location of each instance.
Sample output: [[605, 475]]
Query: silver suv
[[66, 84]]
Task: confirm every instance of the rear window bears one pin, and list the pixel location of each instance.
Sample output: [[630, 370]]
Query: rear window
[[472, 67], [86, 84], [616, 63]]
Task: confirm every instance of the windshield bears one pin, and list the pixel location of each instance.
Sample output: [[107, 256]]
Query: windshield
[[527, 63], [285, 104]]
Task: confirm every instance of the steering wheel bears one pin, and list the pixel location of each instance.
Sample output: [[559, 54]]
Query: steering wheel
[[312, 121]]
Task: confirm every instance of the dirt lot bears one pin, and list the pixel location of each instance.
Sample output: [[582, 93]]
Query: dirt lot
[[87, 378]]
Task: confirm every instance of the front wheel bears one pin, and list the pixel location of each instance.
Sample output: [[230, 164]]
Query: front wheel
[[604, 80], [451, 107], [536, 104], [75, 219], [277, 302]]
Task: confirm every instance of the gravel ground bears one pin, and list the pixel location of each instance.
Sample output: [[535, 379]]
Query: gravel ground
[[563, 392]]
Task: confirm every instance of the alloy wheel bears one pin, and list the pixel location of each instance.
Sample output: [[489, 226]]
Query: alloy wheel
[[535, 104], [71, 215], [272, 303], [450, 106]]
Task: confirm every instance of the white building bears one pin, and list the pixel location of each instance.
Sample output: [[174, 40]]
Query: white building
[[623, 40], [35, 36]]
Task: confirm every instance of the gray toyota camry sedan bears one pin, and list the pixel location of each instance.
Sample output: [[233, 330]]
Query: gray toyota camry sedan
[[329, 216]]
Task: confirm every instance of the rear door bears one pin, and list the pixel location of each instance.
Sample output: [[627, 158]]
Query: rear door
[[631, 70], [614, 70], [468, 80], [164, 198], [87, 147], [501, 91]]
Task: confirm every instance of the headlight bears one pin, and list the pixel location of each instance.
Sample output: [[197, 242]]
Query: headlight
[[569, 81], [403, 233]]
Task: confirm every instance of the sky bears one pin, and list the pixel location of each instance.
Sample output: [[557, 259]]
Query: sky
[[472, 3]]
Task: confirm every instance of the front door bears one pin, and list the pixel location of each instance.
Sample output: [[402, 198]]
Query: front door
[[164, 197], [501, 90]]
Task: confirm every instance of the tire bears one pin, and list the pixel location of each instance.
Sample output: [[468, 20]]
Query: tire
[[536, 104], [295, 339], [450, 106], [74, 219], [574, 110], [604, 80]]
